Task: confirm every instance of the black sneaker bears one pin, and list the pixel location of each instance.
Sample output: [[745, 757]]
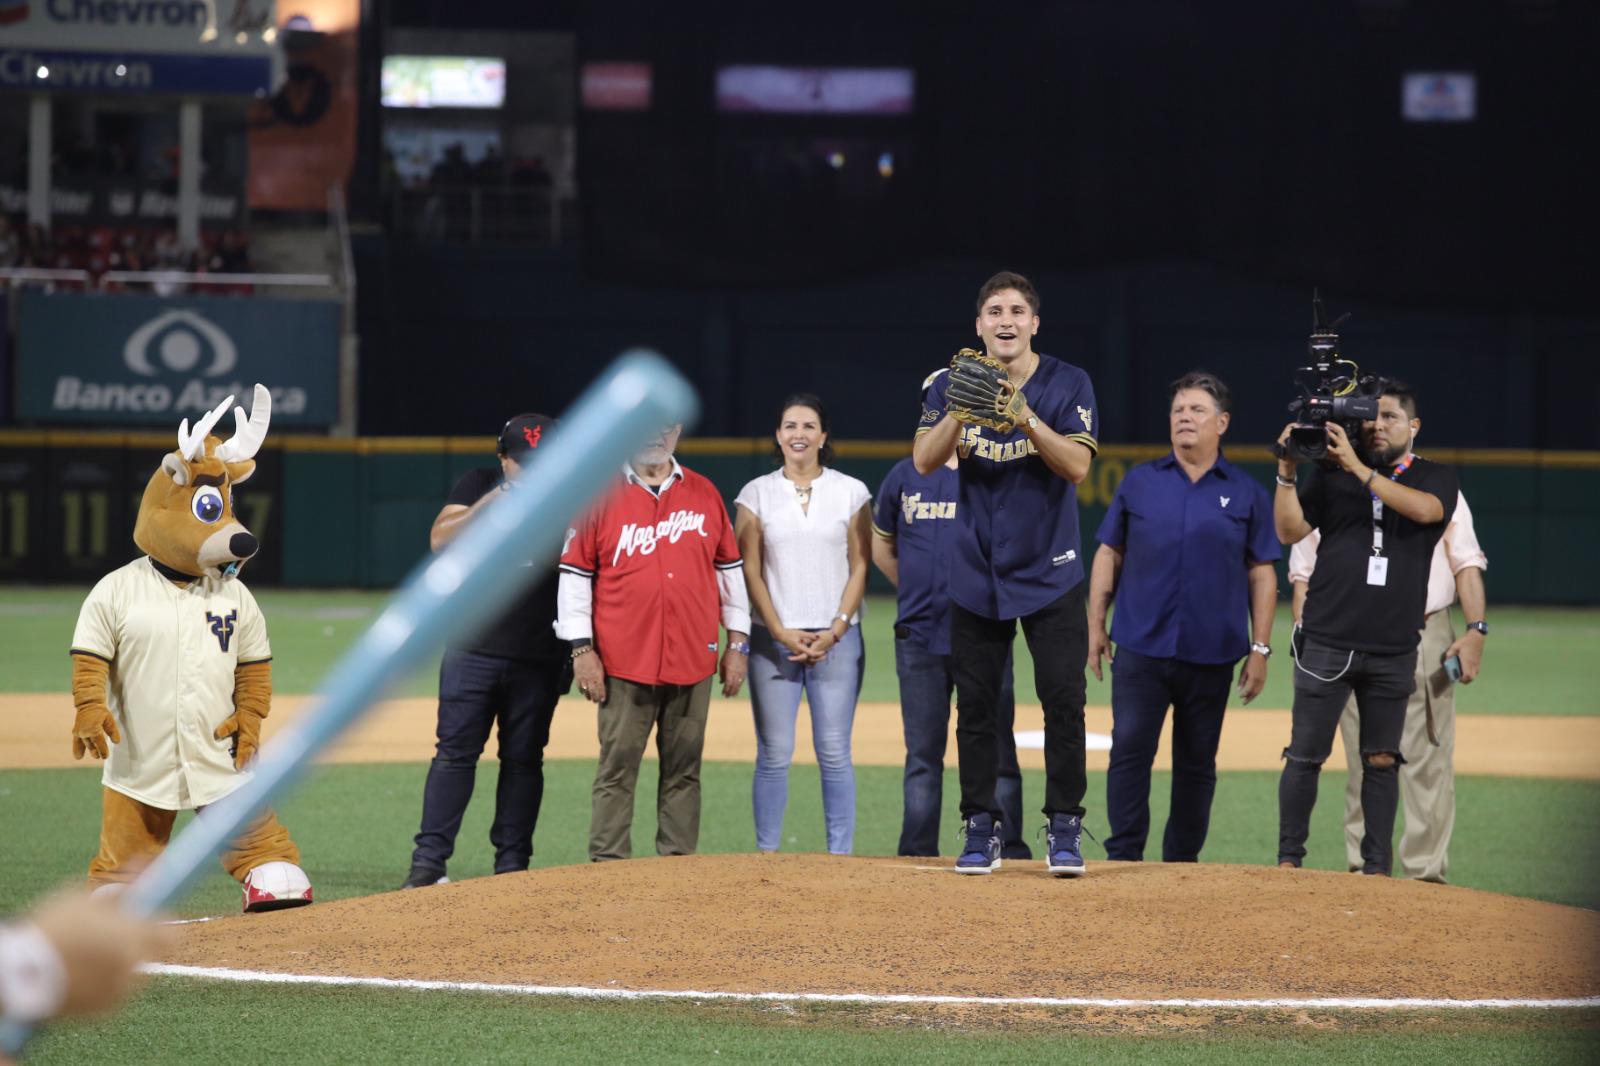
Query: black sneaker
[[422, 877]]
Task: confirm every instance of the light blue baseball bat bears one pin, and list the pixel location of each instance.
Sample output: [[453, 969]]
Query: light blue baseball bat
[[477, 576]]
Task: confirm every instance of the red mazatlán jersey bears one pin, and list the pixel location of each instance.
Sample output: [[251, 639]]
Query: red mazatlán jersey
[[654, 561]]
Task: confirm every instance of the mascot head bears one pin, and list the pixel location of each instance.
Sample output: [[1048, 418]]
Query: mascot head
[[186, 517]]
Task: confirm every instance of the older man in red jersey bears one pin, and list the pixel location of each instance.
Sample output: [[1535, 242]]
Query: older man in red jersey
[[644, 579]]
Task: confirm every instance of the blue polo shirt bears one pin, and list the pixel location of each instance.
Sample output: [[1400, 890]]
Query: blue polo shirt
[[1017, 550], [918, 512], [1186, 548]]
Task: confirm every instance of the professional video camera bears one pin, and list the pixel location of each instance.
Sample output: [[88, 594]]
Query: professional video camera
[[1328, 393]]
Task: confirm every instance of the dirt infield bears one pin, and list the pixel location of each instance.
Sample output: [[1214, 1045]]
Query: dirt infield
[[809, 923], [34, 732]]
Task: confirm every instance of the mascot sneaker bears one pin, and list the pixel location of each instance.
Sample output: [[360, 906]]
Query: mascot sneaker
[[275, 885]]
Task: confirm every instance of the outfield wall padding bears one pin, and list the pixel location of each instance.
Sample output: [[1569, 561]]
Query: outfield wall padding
[[356, 513]]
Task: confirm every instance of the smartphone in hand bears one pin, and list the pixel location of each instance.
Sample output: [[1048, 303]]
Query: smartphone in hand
[[1452, 668]]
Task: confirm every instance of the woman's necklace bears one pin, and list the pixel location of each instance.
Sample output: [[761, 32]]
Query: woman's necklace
[[801, 491]]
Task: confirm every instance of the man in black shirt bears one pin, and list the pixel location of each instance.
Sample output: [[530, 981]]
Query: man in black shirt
[[1380, 518], [513, 670]]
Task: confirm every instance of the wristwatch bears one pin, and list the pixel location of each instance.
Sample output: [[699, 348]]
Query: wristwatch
[[1264, 650], [740, 646], [1481, 627], [1033, 422]]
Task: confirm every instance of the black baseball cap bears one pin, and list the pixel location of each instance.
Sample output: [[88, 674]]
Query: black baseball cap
[[523, 434]]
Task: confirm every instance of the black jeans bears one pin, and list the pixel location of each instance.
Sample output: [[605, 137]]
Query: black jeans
[[1382, 686], [474, 691], [1058, 638], [1142, 688]]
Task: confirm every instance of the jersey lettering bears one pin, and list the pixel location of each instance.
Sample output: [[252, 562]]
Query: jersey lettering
[[222, 626], [644, 538], [912, 507], [972, 442]]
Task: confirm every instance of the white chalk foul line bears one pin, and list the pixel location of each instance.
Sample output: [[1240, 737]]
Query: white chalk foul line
[[581, 992]]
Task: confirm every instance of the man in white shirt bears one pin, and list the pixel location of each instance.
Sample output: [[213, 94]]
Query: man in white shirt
[[1427, 775]]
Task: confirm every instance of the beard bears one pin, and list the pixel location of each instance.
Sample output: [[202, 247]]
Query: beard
[[1389, 456]]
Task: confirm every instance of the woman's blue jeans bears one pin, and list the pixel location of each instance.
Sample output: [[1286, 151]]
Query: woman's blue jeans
[[831, 688]]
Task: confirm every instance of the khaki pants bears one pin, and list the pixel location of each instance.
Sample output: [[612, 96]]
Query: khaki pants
[[1427, 777], [134, 833], [678, 715]]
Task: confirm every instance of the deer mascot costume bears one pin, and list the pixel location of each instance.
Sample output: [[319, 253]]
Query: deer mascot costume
[[172, 672]]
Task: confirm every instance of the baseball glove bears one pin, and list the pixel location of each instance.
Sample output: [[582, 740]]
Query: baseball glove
[[980, 392]]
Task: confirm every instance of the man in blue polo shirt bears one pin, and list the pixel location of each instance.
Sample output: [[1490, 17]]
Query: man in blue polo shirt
[[1187, 548], [1017, 557], [914, 529]]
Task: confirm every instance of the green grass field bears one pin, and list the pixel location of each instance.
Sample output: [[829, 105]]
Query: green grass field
[[1539, 660], [1530, 838]]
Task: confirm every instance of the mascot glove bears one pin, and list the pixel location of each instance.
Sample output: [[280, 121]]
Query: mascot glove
[[245, 728], [90, 730]]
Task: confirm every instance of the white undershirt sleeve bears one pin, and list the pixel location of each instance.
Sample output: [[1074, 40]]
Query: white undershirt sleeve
[[735, 599], [575, 606]]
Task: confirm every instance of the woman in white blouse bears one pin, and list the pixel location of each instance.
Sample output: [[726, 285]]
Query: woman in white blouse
[[805, 534]]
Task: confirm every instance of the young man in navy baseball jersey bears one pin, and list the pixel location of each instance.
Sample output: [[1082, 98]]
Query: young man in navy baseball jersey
[[914, 531], [1017, 557]]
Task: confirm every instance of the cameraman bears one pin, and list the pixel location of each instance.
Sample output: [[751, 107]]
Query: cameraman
[[1381, 512]]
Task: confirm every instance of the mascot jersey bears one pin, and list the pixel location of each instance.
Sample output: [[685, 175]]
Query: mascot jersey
[[173, 651]]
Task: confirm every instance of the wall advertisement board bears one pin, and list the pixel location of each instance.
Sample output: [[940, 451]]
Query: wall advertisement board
[[117, 360]]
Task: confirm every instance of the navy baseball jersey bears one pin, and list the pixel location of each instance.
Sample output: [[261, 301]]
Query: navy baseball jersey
[[1186, 551], [918, 512], [1017, 545]]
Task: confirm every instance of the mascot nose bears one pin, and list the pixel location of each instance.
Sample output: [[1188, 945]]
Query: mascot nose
[[242, 545]]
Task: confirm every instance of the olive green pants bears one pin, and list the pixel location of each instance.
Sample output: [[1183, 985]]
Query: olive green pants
[[677, 713]]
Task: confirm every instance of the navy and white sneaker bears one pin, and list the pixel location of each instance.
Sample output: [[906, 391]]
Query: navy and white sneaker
[[981, 853], [1064, 856]]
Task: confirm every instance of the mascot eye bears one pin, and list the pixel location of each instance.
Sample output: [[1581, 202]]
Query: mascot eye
[[207, 504]]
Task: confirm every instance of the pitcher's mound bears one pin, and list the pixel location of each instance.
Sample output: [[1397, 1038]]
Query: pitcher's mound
[[808, 923]]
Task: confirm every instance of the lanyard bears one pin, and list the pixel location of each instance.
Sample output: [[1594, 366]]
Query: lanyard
[[1377, 506]]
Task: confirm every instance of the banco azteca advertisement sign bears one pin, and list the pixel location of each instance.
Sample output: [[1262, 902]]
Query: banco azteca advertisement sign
[[113, 359]]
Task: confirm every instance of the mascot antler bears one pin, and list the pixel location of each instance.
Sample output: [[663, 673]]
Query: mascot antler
[[247, 436], [192, 446]]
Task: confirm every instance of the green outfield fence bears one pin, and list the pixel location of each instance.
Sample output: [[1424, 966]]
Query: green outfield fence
[[336, 512]]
